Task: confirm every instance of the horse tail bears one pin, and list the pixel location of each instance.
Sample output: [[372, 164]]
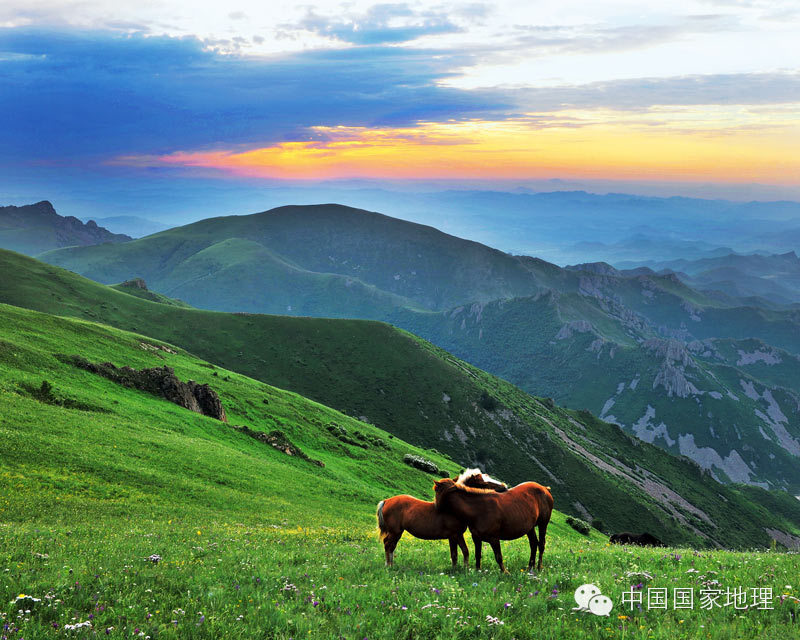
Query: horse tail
[[545, 505], [381, 523]]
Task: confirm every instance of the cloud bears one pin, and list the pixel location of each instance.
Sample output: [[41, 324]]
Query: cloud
[[73, 94], [77, 97], [382, 24], [583, 39], [643, 93]]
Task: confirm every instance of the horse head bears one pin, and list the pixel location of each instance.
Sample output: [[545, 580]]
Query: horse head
[[440, 487], [478, 480]]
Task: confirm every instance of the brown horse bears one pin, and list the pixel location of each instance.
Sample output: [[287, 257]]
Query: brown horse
[[493, 516], [422, 520]]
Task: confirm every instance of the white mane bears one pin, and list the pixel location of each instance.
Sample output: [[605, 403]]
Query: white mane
[[468, 473]]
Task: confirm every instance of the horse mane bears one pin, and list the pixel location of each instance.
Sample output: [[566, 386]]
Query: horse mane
[[471, 473], [466, 474]]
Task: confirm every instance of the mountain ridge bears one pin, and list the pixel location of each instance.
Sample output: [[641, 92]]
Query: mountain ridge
[[34, 228]]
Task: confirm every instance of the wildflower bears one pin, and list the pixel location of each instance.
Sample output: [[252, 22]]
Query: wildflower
[[109, 630], [154, 558], [507, 605], [492, 620], [403, 608]]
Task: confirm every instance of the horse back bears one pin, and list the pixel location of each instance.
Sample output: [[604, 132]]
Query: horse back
[[420, 518], [540, 498]]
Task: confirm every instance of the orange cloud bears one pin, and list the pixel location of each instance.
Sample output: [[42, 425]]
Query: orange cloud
[[723, 144]]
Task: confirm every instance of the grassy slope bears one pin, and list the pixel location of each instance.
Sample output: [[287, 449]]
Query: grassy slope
[[254, 543], [566, 347], [132, 453], [421, 394], [146, 294]]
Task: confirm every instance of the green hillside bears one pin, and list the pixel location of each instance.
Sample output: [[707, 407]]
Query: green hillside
[[589, 336], [730, 405], [96, 449], [138, 287], [428, 267], [337, 261], [424, 395]]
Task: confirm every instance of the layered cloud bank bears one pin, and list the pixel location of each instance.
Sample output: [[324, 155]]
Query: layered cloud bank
[[709, 91]]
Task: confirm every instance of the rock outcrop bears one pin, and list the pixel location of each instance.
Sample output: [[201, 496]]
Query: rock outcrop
[[159, 381]]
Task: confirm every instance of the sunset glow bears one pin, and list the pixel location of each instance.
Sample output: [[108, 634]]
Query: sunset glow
[[712, 143]]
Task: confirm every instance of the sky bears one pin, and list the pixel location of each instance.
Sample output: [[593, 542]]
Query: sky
[[701, 97]]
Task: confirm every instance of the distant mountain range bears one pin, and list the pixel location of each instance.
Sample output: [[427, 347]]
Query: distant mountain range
[[775, 278], [701, 375], [35, 228]]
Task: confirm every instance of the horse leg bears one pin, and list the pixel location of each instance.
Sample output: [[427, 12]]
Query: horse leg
[[533, 542], [498, 554], [453, 551], [389, 544], [464, 550], [542, 533], [478, 542]]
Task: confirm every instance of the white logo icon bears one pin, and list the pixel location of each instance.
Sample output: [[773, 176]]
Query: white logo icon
[[589, 599]]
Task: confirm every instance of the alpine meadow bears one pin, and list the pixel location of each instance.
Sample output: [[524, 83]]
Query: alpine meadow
[[414, 320]]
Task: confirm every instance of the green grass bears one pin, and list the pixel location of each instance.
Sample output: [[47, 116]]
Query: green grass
[[132, 288], [220, 578]]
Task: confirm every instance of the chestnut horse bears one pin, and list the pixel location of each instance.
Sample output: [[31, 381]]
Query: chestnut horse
[[493, 516], [422, 520]]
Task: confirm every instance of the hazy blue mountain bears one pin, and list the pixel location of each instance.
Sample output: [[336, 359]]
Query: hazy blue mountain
[[34, 228], [773, 277]]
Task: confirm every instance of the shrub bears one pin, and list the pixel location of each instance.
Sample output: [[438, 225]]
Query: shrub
[[46, 393], [487, 402], [428, 466], [599, 525], [581, 526]]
